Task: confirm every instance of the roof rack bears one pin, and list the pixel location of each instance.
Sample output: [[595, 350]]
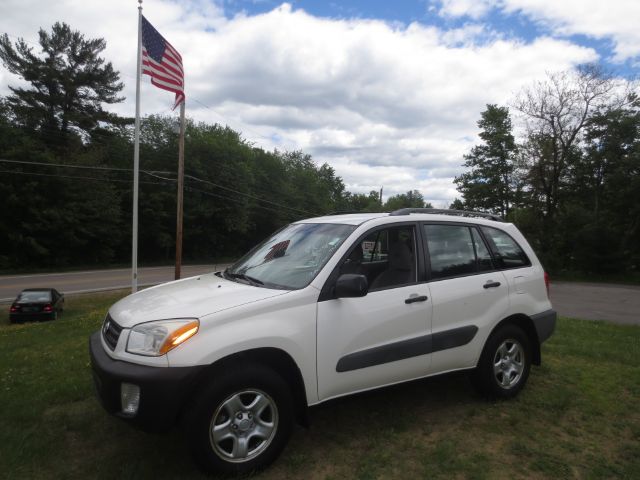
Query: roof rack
[[345, 212], [444, 211]]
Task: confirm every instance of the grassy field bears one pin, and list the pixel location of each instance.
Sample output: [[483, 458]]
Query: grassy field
[[578, 417]]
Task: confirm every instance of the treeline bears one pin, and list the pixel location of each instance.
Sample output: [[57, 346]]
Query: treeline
[[74, 208], [55, 214], [570, 180], [66, 167]]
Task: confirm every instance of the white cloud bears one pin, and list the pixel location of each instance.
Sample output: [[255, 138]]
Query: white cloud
[[465, 8], [616, 20], [385, 104]]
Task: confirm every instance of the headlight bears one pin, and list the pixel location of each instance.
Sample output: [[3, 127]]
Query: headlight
[[157, 338]]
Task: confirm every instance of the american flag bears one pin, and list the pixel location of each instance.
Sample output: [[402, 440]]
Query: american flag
[[162, 62]]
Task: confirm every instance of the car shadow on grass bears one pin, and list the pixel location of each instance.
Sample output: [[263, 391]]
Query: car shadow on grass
[[349, 437]]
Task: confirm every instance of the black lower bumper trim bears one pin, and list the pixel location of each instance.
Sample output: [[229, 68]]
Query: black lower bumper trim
[[163, 390], [545, 324]]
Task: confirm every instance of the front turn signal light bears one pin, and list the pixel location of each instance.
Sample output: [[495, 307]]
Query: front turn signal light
[[180, 335]]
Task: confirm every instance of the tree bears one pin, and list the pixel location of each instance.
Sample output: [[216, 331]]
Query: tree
[[457, 204], [360, 202], [605, 191], [490, 183], [411, 199], [69, 80], [556, 112]]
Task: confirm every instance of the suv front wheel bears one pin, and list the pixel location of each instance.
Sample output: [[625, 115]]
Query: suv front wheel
[[504, 365], [241, 422]]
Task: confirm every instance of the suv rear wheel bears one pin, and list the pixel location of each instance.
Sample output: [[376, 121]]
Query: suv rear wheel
[[241, 422], [504, 365]]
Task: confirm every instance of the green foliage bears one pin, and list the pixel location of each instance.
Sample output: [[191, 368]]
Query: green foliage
[[69, 83], [359, 202], [573, 184], [457, 204], [235, 195], [490, 184], [411, 199]]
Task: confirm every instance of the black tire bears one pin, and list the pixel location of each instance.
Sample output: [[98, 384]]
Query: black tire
[[212, 406], [503, 376]]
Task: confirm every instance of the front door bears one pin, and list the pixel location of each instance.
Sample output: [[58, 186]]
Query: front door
[[383, 337]]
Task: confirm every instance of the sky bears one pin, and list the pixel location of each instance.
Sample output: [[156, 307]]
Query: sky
[[387, 92]]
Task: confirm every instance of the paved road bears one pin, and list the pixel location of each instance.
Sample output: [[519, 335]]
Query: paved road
[[597, 301], [95, 280], [591, 301]]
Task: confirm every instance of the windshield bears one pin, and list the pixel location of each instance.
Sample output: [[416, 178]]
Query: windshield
[[292, 257]]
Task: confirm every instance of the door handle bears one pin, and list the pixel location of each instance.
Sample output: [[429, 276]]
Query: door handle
[[421, 298], [491, 284]]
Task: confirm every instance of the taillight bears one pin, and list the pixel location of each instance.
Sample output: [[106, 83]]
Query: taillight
[[47, 308], [547, 282], [14, 309]]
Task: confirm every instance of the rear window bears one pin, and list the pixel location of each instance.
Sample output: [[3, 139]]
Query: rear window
[[35, 296], [507, 252]]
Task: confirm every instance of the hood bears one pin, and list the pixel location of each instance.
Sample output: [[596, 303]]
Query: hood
[[188, 298]]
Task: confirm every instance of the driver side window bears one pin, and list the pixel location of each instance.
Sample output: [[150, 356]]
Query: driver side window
[[387, 257]]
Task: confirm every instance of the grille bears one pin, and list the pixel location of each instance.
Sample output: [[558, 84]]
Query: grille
[[111, 332]]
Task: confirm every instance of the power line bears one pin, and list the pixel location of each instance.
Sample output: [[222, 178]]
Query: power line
[[153, 174], [109, 180], [88, 167], [287, 215], [248, 195], [158, 176]]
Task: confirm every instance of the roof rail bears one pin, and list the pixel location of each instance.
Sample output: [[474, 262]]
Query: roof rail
[[345, 212], [444, 211]]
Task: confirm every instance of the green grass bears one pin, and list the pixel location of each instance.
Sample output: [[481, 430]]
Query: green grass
[[578, 417]]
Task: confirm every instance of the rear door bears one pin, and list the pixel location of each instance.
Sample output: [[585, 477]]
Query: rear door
[[468, 293]]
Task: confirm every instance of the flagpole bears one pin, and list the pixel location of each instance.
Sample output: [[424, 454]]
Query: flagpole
[[136, 160], [180, 196]]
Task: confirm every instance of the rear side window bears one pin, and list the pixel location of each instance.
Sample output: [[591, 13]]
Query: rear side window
[[507, 252], [485, 263], [451, 251]]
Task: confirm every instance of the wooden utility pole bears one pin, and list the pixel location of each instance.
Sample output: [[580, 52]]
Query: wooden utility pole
[[180, 196]]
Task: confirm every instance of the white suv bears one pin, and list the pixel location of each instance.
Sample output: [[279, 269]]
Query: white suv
[[325, 307]]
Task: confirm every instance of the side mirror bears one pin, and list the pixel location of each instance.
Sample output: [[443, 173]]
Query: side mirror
[[351, 285]]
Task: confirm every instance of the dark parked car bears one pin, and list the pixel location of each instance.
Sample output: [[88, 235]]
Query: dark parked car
[[36, 304]]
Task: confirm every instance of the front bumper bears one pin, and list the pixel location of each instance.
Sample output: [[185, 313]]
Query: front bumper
[[163, 390]]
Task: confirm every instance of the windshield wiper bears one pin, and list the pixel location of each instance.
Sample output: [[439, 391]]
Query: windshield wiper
[[251, 280]]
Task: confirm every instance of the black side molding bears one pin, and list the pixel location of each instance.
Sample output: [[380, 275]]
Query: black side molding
[[413, 347]]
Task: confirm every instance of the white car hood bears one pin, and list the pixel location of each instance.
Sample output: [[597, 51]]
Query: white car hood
[[188, 298]]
